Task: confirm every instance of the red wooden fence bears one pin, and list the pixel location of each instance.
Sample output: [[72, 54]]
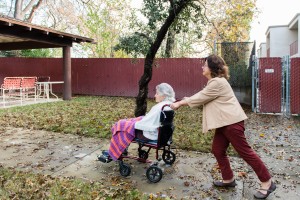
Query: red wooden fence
[[119, 77], [111, 77]]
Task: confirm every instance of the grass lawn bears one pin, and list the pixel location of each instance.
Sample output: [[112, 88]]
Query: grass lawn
[[94, 116], [89, 117]]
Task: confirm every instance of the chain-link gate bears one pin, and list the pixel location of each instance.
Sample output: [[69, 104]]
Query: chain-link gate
[[276, 85], [269, 87]]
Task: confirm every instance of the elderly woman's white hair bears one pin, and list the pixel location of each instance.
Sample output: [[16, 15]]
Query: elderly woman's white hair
[[166, 90]]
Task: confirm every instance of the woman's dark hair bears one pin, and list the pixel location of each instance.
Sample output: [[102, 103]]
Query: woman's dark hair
[[217, 66]]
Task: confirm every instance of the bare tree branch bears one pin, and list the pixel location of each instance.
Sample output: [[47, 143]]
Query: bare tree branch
[[34, 8]]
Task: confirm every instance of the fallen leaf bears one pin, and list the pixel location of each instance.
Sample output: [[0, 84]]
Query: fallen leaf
[[261, 135], [291, 158], [186, 183], [242, 174]]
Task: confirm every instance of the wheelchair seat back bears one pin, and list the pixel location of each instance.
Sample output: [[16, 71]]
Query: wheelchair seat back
[[167, 128]]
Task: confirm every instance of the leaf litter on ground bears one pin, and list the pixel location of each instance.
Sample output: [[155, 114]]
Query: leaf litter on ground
[[93, 117]]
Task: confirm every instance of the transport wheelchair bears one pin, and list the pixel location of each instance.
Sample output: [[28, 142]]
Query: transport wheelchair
[[163, 144]]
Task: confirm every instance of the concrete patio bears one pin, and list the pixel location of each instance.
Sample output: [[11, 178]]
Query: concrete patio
[[31, 101]]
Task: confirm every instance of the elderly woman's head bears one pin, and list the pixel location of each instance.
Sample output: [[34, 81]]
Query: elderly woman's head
[[215, 66], [164, 92]]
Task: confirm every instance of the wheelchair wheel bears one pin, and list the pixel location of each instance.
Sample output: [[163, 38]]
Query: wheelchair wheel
[[154, 174], [168, 157], [125, 169], [143, 154]]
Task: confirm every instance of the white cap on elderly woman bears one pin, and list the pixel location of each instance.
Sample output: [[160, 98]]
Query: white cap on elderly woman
[[166, 90]]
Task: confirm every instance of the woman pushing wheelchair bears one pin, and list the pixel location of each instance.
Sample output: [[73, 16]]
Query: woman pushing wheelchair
[[143, 127], [222, 112]]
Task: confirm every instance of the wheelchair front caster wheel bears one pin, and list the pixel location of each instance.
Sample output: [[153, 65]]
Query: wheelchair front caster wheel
[[168, 157], [125, 169], [143, 154], [154, 174]]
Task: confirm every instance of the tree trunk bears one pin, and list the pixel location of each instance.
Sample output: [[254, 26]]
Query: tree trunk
[[141, 100], [170, 44], [31, 7], [18, 9]]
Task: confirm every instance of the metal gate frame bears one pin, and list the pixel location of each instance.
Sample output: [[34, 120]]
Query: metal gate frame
[[287, 66], [285, 90], [256, 98]]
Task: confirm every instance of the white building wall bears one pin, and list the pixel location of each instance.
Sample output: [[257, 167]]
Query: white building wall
[[280, 38], [262, 51], [294, 26]]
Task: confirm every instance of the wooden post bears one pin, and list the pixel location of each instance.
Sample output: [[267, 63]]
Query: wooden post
[[67, 92]]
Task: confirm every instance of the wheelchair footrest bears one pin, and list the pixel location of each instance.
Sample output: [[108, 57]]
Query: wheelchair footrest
[[105, 158]]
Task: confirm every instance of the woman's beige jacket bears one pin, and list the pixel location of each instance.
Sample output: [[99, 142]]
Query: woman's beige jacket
[[220, 105]]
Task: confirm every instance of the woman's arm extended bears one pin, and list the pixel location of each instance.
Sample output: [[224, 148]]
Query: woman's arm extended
[[178, 104]]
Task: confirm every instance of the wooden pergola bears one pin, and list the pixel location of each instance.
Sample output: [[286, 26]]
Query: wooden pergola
[[18, 35]]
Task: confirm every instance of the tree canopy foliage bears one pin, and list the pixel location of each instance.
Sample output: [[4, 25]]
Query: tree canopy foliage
[[201, 24], [104, 21], [152, 16], [121, 31], [232, 21]]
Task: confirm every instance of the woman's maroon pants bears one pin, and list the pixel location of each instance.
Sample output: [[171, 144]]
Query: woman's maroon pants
[[234, 134]]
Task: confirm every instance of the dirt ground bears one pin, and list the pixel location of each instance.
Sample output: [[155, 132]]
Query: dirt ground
[[275, 138]]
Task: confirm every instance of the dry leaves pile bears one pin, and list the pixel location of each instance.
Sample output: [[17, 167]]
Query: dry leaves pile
[[22, 185]]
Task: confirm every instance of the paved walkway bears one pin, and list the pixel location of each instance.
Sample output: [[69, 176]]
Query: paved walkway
[[276, 139]]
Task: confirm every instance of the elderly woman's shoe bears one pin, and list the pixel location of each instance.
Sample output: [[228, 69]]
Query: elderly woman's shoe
[[105, 152], [221, 184], [259, 195]]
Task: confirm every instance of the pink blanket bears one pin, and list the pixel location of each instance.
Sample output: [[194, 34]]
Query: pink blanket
[[122, 135]]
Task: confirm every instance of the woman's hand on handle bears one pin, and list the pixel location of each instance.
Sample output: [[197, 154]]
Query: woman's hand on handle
[[178, 104], [175, 106]]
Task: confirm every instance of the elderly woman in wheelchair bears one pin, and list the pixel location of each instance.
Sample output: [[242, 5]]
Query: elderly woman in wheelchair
[[154, 130]]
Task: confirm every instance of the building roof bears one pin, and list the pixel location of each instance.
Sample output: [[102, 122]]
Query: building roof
[[275, 27], [17, 35], [294, 22]]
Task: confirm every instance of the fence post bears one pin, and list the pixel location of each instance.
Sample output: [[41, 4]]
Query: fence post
[[287, 67], [254, 79], [283, 99]]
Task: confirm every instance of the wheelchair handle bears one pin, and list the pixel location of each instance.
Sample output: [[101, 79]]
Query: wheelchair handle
[[169, 105], [166, 105]]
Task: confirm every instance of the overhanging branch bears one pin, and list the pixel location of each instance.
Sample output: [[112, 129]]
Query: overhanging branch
[[145, 36]]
